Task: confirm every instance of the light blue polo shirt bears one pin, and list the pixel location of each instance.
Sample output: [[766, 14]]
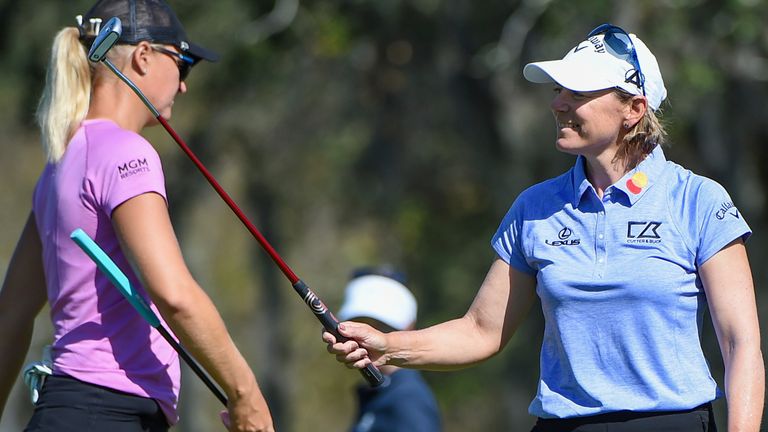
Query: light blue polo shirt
[[618, 283]]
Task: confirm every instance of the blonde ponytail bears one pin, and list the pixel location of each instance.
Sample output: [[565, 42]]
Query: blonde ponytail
[[66, 95]]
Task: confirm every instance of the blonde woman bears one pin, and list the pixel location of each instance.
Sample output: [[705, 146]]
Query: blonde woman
[[111, 371], [625, 251]]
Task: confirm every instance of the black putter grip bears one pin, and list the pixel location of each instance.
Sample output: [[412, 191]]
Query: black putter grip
[[371, 373]]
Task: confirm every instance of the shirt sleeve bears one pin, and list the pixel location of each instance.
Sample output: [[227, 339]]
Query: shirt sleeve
[[507, 242], [717, 220], [130, 168]]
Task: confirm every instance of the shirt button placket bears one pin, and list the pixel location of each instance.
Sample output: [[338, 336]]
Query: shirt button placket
[[600, 250]]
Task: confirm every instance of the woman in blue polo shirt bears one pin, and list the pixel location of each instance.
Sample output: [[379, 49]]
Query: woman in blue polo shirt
[[626, 251]]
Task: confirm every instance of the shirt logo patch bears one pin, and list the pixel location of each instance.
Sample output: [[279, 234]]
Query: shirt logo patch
[[133, 167], [727, 209], [637, 182], [564, 236], [643, 232]]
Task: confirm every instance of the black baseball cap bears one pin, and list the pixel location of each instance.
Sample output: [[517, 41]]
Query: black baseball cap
[[145, 20], [385, 270]]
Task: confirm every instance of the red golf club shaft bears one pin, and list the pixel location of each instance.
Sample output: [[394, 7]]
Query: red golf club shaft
[[330, 323], [106, 39], [231, 203]]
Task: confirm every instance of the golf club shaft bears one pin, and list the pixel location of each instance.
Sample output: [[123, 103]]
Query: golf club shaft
[[326, 318], [133, 87], [120, 281], [212, 180], [230, 202], [193, 364]]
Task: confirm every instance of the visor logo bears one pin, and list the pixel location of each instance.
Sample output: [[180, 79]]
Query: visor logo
[[598, 44]]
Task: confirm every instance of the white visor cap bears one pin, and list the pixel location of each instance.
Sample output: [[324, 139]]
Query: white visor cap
[[380, 298], [592, 65]]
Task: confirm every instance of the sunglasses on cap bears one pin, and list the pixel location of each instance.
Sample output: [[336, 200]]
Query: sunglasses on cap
[[620, 42], [183, 62]]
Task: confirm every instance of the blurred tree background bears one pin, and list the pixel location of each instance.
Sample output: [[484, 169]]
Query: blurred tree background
[[360, 132]]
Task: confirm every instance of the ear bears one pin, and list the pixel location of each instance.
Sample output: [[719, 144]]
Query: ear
[[635, 110], [141, 58]]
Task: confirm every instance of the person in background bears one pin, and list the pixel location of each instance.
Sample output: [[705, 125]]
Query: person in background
[[404, 402], [626, 251], [110, 370]]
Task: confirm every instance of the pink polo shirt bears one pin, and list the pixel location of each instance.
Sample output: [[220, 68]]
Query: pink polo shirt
[[98, 337]]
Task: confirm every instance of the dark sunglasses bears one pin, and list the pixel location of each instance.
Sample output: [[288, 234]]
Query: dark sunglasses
[[183, 62], [620, 42]]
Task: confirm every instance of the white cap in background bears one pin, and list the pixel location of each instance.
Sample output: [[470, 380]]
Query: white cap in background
[[381, 298]]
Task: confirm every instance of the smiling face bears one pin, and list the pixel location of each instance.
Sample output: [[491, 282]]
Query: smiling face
[[588, 123]]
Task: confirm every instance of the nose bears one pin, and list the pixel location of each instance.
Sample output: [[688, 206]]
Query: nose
[[182, 87]]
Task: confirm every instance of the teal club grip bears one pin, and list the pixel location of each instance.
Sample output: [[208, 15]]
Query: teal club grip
[[114, 274], [120, 280]]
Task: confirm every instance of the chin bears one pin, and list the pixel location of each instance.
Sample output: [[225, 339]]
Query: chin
[[563, 146]]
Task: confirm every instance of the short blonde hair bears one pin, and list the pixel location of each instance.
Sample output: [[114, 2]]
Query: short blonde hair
[[642, 138]]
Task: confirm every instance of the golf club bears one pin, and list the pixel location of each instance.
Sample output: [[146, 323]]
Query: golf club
[[107, 37], [121, 282]]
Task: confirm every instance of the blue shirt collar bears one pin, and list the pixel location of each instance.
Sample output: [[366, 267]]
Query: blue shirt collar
[[634, 184]]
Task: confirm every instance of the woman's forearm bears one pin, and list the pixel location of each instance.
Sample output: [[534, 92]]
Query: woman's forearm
[[450, 345], [501, 304], [22, 296], [744, 387], [199, 327], [14, 346]]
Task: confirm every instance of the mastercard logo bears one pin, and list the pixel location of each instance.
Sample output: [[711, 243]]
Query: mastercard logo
[[637, 182]]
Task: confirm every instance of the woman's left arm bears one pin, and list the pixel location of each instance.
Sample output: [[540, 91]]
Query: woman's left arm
[[727, 280]]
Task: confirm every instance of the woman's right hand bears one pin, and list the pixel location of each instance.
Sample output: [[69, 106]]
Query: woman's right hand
[[248, 414], [365, 345]]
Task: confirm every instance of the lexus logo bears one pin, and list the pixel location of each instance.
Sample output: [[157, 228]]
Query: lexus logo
[[564, 236]]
